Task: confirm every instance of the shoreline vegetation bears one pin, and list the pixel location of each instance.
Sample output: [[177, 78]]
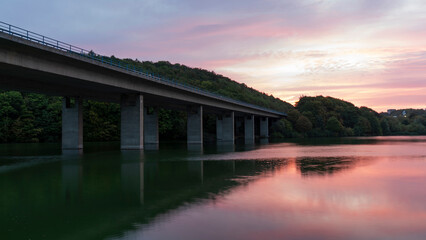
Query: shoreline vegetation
[[29, 117]]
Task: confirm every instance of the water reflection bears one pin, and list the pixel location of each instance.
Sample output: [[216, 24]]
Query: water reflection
[[132, 176], [152, 146], [71, 179], [322, 166], [219, 194], [86, 191], [264, 141], [223, 147], [194, 148]]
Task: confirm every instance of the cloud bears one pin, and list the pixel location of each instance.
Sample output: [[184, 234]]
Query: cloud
[[362, 51]]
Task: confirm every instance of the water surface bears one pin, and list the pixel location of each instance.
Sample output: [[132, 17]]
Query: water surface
[[352, 188]]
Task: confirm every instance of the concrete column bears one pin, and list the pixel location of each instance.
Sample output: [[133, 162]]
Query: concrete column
[[264, 128], [195, 125], [219, 128], [238, 126], [72, 124], [228, 127], [150, 125], [225, 127], [132, 121], [249, 129]]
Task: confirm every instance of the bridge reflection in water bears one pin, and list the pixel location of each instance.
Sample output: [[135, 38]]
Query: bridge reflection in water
[[96, 195]]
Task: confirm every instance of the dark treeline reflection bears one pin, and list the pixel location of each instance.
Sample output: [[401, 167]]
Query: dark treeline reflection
[[197, 191], [322, 166], [102, 194], [94, 196]]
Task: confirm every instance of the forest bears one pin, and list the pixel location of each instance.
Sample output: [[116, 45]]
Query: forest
[[29, 117]]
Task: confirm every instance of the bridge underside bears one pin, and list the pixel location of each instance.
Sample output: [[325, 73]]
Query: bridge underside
[[96, 92]]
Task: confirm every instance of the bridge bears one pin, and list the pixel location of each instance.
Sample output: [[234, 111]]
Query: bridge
[[31, 62]]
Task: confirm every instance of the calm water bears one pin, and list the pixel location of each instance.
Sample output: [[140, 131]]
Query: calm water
[[359, 188]]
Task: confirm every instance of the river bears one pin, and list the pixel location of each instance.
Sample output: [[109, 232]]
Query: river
[[347, 188]]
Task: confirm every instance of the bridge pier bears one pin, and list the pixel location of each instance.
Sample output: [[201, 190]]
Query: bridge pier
[[225, 127], [195, 125], [150, 125], [219, 131], [239, 125], [132, 121], [264, 128], [249, 129], [72, 123]]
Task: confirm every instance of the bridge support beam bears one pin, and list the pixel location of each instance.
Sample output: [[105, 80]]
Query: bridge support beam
[[72, 123], [195, 125], [150, 125], [225, 127], [131, 121], [264, 128], [219, 127], [249, 129], [239, 125]]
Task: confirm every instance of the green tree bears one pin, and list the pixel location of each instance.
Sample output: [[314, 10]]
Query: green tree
[[362, 127], [335, 126], [282, 128], [303, 124], [101, 121], [416, 128], [394, 125], [293, 115], [384, 124]]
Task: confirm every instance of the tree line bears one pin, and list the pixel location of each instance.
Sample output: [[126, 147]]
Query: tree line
[[29, 117], [331, 117]]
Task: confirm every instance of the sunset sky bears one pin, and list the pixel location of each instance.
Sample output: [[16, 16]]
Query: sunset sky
[[371, 53]]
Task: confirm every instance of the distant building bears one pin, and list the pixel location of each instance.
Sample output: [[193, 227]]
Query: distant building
[[390, 111]]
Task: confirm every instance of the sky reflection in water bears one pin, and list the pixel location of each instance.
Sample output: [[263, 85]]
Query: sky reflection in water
[[369, 188], [371, 191]]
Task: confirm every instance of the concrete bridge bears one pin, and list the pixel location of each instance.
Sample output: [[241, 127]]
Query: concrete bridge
[[34, 63]]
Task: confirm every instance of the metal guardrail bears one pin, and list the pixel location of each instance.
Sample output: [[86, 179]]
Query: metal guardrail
[[50, 42]]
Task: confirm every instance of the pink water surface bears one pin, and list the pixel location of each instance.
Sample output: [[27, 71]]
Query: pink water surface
[[343, 191]]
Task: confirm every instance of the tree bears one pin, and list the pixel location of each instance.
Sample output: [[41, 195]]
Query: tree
[[101, 121], [384, 124], [416, 128], [293, 115], [282, 128], [362, 127], [394, 125], [335, 126], [303, 124]]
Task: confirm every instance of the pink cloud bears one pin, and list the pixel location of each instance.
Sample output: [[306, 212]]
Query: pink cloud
[[312, 41]]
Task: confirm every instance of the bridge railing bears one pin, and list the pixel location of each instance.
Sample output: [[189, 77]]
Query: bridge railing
[[50, 42]]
